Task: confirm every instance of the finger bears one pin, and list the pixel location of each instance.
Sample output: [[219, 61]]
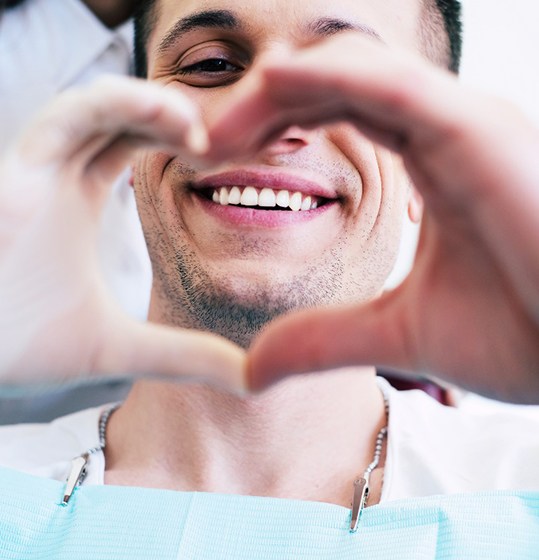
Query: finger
[[321, 339], [349, 78], [146, 349], [462, 149], [87, 120]]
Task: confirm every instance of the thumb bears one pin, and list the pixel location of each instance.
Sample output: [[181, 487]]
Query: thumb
[[157, 351], [320, 339]]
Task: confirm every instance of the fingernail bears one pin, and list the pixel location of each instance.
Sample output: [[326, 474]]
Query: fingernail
[[197, 139]]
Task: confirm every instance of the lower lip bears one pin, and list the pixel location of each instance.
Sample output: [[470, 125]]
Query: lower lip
[[245, 216]]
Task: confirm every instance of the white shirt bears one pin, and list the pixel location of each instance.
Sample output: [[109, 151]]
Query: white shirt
[[432, 449], [46, 47]]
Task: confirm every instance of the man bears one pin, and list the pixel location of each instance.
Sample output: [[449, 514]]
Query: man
[[224, 263]]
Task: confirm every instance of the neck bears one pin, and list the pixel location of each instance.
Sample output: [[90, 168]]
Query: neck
[[111, 13], [307, 438]]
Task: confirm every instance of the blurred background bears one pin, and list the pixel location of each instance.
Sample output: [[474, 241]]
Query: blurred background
[[501, 50]]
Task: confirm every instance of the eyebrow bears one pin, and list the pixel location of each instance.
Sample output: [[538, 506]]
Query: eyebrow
[[225, 19], [331, 26], [208, 19]]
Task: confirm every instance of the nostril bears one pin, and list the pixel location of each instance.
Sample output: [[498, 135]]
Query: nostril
[[285, 146]]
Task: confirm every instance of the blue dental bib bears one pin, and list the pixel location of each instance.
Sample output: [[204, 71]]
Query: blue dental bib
[[124, 523]]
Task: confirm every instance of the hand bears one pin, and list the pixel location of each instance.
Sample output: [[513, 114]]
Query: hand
[[469, 310], [57, 320]]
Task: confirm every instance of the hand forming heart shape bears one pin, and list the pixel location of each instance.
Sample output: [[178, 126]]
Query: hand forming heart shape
[[468, 312]]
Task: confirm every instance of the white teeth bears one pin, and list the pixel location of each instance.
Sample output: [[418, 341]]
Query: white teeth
[[282, 199], [295, 202], [266, 198], [223, 196], [249, 197], [234, 195]]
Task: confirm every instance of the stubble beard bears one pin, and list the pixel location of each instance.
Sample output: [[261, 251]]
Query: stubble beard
[[194, 296], [197, 299]]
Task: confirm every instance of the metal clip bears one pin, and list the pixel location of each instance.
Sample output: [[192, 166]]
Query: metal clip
[[76, 476], [361, 494]]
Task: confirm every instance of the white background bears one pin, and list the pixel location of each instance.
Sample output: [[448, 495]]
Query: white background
[[501, 50]]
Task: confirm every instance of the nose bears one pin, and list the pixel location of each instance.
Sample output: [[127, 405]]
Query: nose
[[291, 140]]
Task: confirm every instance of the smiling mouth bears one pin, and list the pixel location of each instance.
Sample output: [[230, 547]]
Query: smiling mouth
[[262, 199]]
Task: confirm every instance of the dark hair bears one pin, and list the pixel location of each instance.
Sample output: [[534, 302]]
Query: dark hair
[[452, 14], [451, 27], [10, 3], [144, 19], [6, 4]]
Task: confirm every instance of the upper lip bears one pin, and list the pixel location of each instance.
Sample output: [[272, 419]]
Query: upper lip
[[277, 180]]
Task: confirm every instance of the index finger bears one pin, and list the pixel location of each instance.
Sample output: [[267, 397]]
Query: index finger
[[390, 95], [112, 107]]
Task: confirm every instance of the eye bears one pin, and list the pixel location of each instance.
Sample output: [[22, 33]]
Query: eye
[[210, 66], [211, 72]]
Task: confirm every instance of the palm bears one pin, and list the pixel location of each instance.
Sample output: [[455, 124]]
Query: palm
[[462, 318], [54, 302], [57, 319], [468, 302]]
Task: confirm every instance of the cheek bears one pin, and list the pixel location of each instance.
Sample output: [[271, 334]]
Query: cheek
[[375, 228], [377, 165], [395, 197], [346, 136], [148, 175], [366, 159], [384, 191], [148, 171]]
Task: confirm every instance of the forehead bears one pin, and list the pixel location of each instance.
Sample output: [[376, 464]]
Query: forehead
[[394, 21]]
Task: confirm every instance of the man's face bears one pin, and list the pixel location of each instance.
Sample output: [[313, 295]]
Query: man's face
[[315, 218]]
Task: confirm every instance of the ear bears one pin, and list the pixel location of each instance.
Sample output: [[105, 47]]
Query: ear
[[415, 206]]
